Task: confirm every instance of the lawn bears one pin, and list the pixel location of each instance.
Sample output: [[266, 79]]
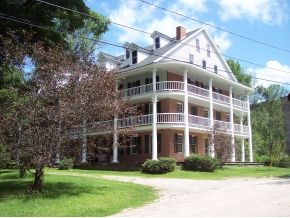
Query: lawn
[[224, 173], [69, 196]]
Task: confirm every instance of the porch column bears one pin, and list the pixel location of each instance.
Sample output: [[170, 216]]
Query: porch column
[[250, 130], [84, 145], [211, 145], [233, 153], [242, 140], [154, 121], [115, 141], [186, 127]]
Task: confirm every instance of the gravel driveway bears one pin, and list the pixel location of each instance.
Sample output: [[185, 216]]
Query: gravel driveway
[[231, 197]]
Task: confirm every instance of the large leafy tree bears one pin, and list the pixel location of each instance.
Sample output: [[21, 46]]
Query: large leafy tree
[[267, 120], [240, 73]]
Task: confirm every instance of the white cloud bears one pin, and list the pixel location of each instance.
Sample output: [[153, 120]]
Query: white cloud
[[222, 41], [268, 11], [273, 73]]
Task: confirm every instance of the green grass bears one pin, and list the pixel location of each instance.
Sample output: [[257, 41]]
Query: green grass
[[69, 196], [224, 173]]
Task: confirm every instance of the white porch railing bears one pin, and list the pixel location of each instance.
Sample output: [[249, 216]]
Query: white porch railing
[[198, 121], [173, 118], [197, 91], [222, 125], [221, 98], [179, 86]]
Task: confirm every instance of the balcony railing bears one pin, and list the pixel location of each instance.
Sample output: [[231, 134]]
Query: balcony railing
[[197, 121], [179, 86]]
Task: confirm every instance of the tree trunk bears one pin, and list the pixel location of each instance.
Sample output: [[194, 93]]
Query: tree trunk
[[38, 177]]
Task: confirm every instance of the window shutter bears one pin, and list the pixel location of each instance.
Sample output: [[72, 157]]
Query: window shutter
[[139, 148], [175, 142], [159, 143], [128, 146], [196, 144], [190, 143], [157, 78], [146, 108], [146, 80], [146, 144], [158, 107]]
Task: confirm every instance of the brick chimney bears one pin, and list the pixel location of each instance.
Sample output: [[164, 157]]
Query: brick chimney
[[180, 33]]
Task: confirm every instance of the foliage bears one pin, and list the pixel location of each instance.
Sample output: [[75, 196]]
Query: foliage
[[281, 160], [160, 166], [64, 92], [66, 164], [197, 162], [267, 120], [240, 73], [5, 159], [69, 196]]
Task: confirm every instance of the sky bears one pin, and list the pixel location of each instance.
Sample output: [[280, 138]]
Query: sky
[[265, 21]]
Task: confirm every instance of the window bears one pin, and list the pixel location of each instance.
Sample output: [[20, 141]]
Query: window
[[205, 114], [148, 143], [178, 143], [127, 54], [206, 146], [194, 110], [191, 58], [208, 50], [215, 69], [227, 117], [134, 145], [197, 45], [218, 115], [134, 57], [179, 108], [203, 64], [193, 141], [157, 43]]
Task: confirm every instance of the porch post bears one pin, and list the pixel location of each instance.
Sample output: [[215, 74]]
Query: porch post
[[242, 140], [233, 153], [186, 128], [84, 145], [211, 145], [250, 130], [154, 123], [115, 141]]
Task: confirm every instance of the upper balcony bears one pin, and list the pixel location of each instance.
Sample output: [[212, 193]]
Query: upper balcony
[[177, 86], [164, 120]]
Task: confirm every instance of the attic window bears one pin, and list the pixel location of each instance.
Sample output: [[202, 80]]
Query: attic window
[[208, 50], [127, 54], [134, 57], [157, 42], [215, 69], [197, 45]]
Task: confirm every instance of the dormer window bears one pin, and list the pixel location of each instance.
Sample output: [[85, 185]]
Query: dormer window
[[215, 69], [197, 45], [134, 57], [208, 50], [204, 64], [157, 42], [127, 54]]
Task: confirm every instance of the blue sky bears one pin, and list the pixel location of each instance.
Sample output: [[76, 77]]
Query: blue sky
[[263, 20]]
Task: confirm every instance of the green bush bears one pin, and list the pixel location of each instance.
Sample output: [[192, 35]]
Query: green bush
[[66, 164], [282, 160], [160, 166], [197, 162]]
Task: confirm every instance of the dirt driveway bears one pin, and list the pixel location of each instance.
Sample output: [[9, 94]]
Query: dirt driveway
[[231, 197]]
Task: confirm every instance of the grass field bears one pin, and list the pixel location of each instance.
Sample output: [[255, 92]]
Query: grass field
[[224, 173], [69, 196], [85, 193]]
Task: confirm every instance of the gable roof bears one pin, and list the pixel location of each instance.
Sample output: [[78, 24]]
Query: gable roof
[[157, 33], [110, 57]]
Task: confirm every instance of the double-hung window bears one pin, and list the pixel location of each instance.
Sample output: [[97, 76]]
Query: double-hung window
[[134, 57]]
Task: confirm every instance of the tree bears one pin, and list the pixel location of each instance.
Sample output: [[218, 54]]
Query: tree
[[267, 120], [64, 90], [240, 73]]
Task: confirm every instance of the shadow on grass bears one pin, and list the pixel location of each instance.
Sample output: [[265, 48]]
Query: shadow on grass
[[11, 186]]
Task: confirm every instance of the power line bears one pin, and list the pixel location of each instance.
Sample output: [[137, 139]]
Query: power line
[[216, 27], [142, 31], [19, 20]]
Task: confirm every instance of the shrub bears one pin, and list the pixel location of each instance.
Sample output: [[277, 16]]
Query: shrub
[[282, 160], [200, 163], [160, 166], [66, 164]]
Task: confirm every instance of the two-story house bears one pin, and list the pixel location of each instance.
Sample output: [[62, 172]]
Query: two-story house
[[184, 88]]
